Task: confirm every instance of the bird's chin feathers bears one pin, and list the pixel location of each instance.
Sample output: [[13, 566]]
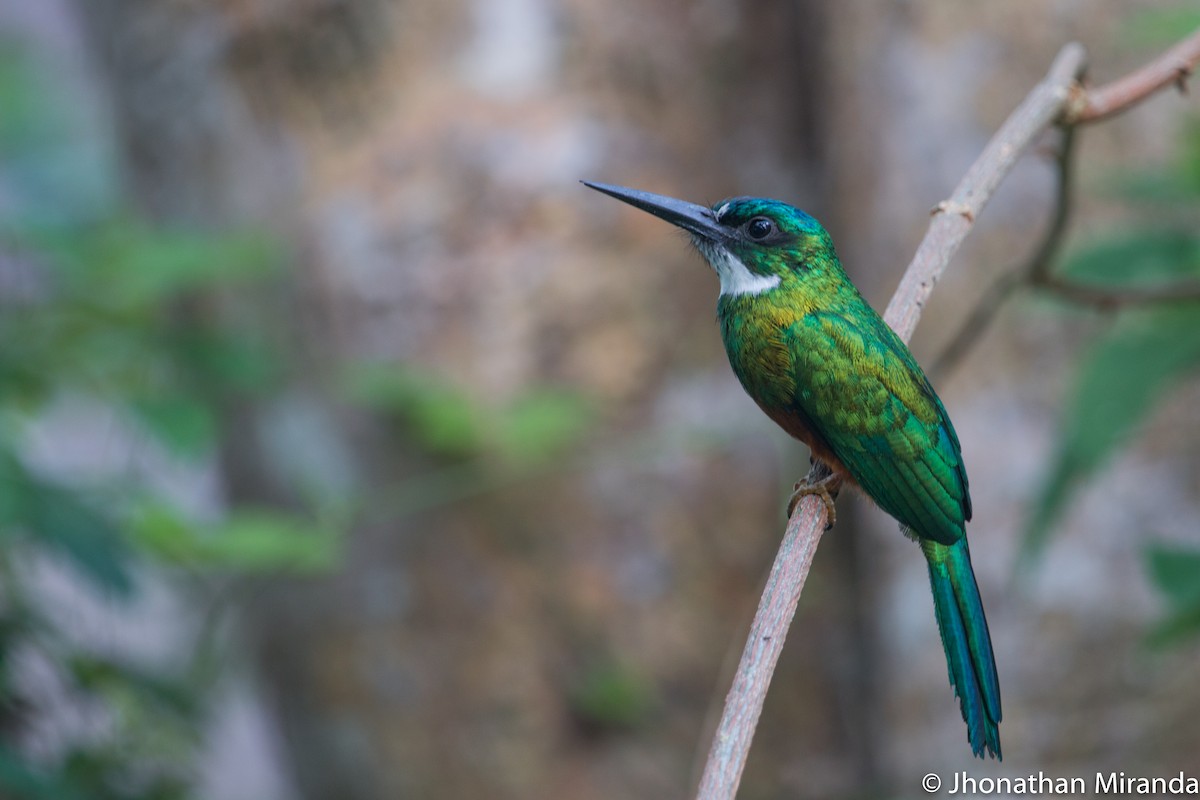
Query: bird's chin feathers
[[736, 277]]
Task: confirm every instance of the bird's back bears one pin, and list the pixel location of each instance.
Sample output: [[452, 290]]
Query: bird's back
[[830, 371]]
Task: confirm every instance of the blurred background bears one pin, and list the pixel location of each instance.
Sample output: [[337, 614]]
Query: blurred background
[[351, 449]]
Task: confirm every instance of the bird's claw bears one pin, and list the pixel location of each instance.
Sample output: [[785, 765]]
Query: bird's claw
[[824, 489]]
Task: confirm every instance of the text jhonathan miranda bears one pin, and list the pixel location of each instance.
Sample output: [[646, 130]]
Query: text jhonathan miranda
[[1104, 783]]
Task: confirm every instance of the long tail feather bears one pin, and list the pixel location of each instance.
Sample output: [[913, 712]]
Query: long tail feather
[[967, 643]]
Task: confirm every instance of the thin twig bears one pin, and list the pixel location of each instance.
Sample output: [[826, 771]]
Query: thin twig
[[954, 217], [776, 607], [981, 316], [1103, 298], [1172, 67], [1085, 106], [1039, 263], [1108, 298], [952, 221], [974, 325]]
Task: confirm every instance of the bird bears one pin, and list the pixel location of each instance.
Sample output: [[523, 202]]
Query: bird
[[823, 365]]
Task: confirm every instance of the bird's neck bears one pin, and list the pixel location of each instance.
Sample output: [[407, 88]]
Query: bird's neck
[[736, 278]]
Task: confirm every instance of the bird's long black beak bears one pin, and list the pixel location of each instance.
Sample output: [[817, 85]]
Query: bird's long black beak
[[689, 216]]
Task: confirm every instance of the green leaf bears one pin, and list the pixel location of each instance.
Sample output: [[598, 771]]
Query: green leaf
[[611, 697], [24, 380], [19, 779], [61, 519], [1162, 26], [184, 424], [447, 420], [1190, 161], [106, 676], [1161, 192], [266, 540], [1173, 192], [1176, 572], [130, 264], [248, 541], [442, 418], [233, 360], [1118, 384], [541, 424], [1142, 258], [123, 265]]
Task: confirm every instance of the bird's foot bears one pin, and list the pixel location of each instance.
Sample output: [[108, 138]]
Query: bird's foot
[[824, 484]]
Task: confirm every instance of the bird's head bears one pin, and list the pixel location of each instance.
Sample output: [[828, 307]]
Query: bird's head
[[754, 244]]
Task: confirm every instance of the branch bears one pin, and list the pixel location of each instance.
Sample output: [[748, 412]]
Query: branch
[[980, 319], [1172, 67], [1108, 298], [952, 221], [776, 607], [1086, 106], [955, 217], [1104, 298]]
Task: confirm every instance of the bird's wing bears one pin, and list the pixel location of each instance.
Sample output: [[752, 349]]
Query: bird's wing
[[867, 398]]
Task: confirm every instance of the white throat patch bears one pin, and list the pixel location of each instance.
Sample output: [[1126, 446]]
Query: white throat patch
[[736, 277]]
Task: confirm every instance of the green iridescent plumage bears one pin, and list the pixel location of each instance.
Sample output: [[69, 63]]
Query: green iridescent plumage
[[820, 362]]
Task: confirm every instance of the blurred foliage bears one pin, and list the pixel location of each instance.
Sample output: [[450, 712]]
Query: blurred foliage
[[1117, 386], [609, 697], [246, 539], [442, 419], [161, 330], [1155, 27], [536, 426], [140, 321], [480, 446], [1147, 351], [1176, 572], [63, 521]]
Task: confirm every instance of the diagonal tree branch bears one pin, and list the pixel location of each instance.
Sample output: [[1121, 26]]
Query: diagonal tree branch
[[980, 319], [1059, 98], [1107, 298], [1171, 68], [954, 218]]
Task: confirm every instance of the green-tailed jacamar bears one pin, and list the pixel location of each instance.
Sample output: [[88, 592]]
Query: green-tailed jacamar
[[824, 366]]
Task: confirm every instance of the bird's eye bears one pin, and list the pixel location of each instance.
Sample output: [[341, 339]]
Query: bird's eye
[[759, 228]]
